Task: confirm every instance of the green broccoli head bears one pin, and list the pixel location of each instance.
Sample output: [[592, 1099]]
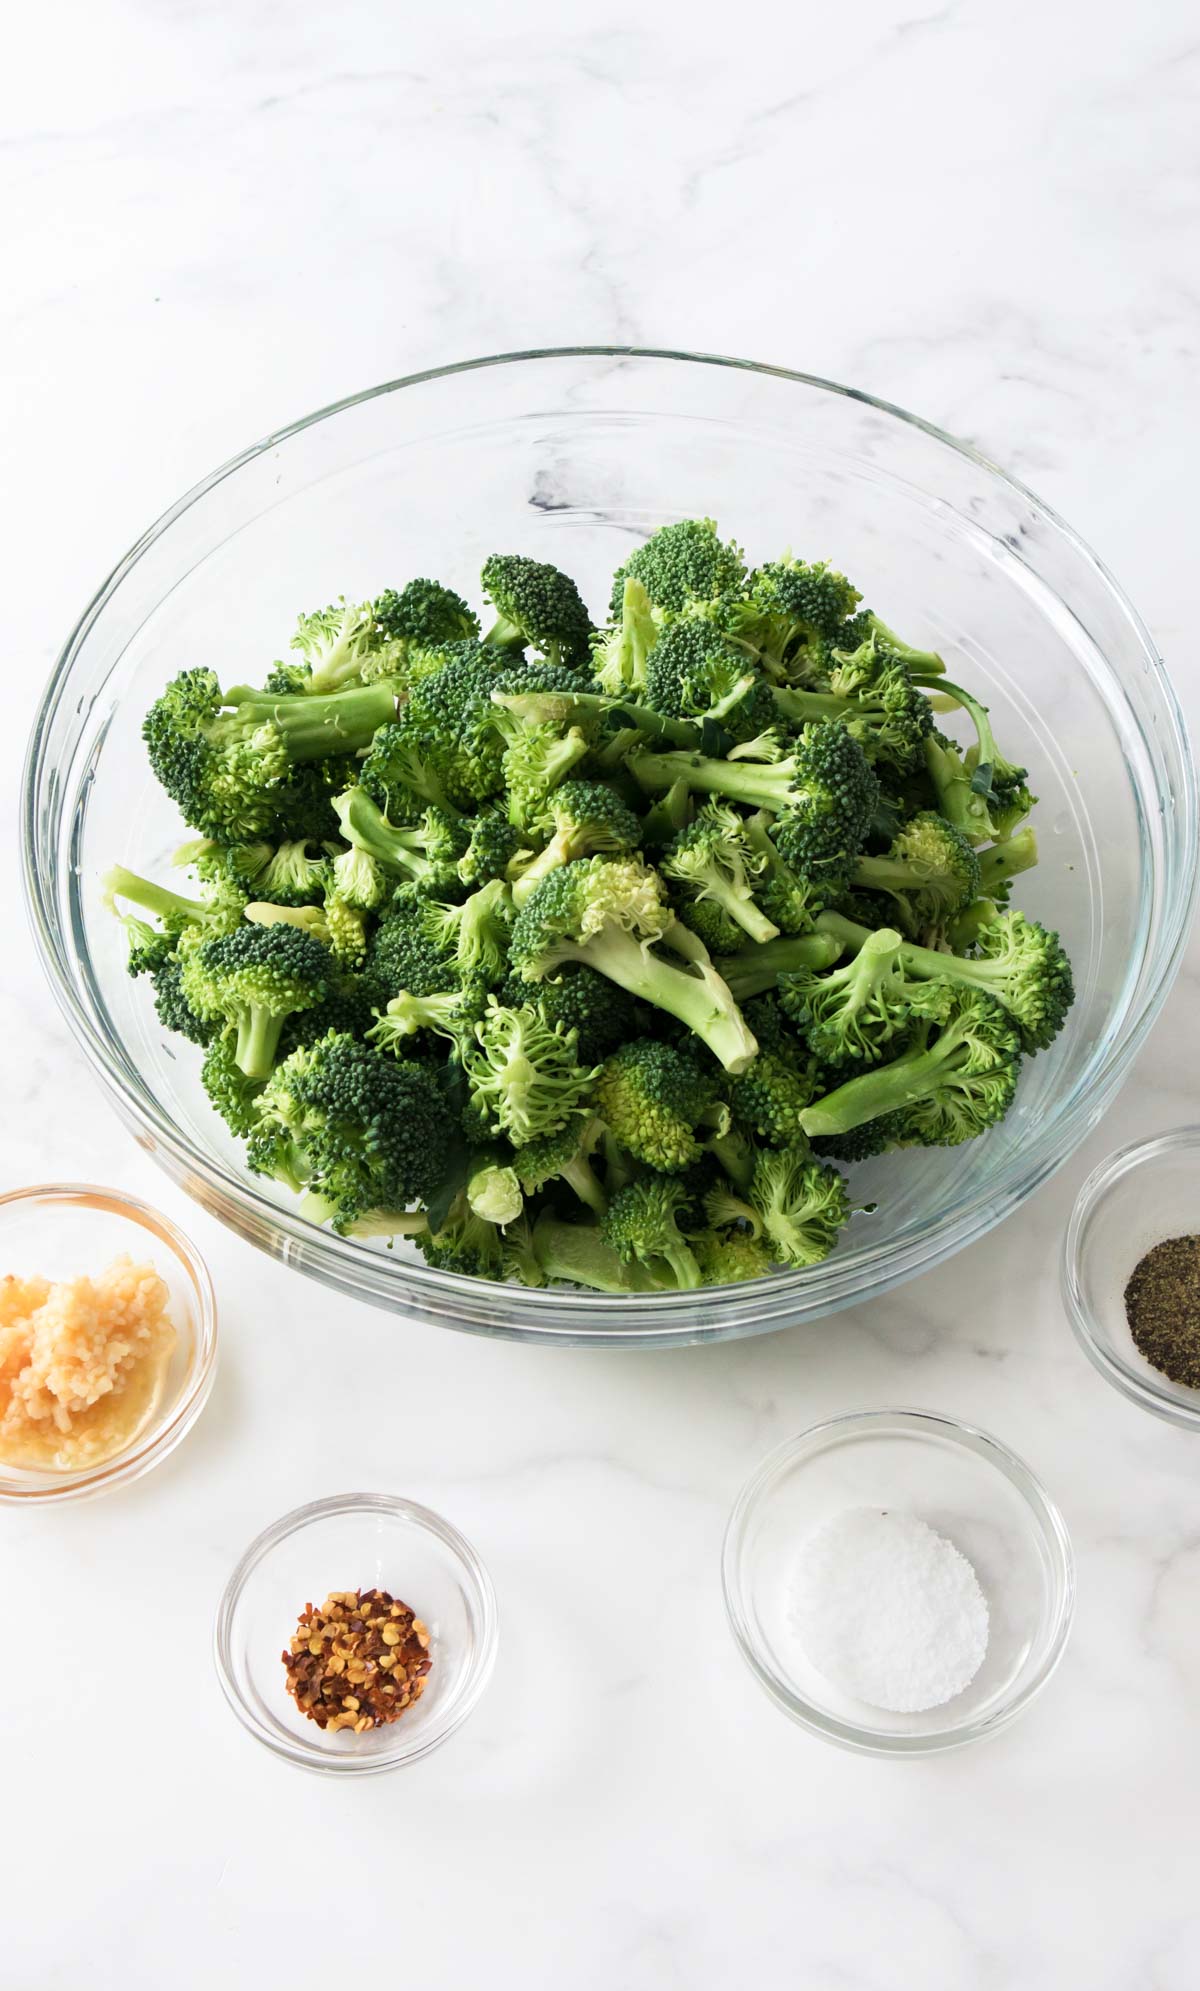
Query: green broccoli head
[[372, 1132], [642, 1227], [524, 1076], [536, 604], [492, 845], [801, 1202], [584, 818], [297, 874], [683, 562], [769, 1097], [956, 1076], [234, 1095], [654, 1098], [254, 979], [424, 615], [235, 766], [728, 1257], [601, 1014], [931, 871], [853, 1013], [713, 859]]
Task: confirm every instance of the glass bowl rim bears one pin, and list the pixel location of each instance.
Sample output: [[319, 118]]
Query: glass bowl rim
[[164, 1433], [311, 1756], [1043, 1511], [1133, 1384], [559, 1314]]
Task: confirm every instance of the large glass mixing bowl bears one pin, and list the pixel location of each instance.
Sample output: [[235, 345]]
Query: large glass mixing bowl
[[573, 457]]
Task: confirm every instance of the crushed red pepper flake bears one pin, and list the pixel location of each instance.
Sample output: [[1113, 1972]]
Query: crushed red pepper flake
[[357, 1661]]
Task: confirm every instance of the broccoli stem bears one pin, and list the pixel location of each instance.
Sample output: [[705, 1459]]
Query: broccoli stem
[[258, 1035], [740, 908], [122, 884], [1004, 860], [666, 817], [702, 1000], [801, 706], [759, 784], [578, 1252], [889, 1089], [756, 969], [312, 726], [564, 708], [580, 1176], [505, 635]]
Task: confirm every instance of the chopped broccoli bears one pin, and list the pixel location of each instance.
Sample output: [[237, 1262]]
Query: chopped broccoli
[[956, 1076], [425, 615], [564, 1156], [493, 1189], [854, 1012], [802, 1204], [822, 794], [608, 913], [931, 871], [255, 978], [586, 817], [679, 563], [370, 1133], [536, 604], [621, 651], [524, 1076], [642, 1227], [714, 859], [229, 766], [654, 1098]]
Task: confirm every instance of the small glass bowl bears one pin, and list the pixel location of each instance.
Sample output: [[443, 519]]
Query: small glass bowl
[[62, 1230], [1134, 1199], [355, 1541], [963, 1484]]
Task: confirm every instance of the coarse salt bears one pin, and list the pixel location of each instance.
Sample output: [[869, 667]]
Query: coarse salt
[[889, 1610]]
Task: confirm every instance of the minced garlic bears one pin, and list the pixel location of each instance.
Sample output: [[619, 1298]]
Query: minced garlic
[[82, 1364]]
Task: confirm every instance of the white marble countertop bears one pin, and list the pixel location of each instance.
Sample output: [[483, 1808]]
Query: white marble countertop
[[217, 217]]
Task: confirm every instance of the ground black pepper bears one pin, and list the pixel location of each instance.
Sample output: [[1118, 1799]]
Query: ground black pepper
[[1162, 1306]]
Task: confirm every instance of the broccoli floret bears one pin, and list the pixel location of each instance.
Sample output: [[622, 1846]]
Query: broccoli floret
[[822, 794], [711, 925], [449, 727], [397, 775], [578, 1254], [425, 853], [172, 1007], [467, 1244], [341, 645], [621, 651], [370, 1133], [537, 760], [219, 911], [727, 1257], [586, 817], [873, 696], [525, 1077], [520, 1260], [564, 1156], [402, 957], [681, 563], [854, 1012], [874, 1137], [225, 868], [473, 934], [654, 1098], [931, 872], [608, 913], [254, 978], [956, 1077], [449, 1013], [866, 627], [714, 859], [791, 901], [694, 671], [228, 762], [424, 615], [792, 611], [642, 1226], [296, 875], [234, 1095], [1019, 962], [347, 1008], [981, 793], [770, 1096], [536, 604], [578, 999], [801, 1203], [494, 842]]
